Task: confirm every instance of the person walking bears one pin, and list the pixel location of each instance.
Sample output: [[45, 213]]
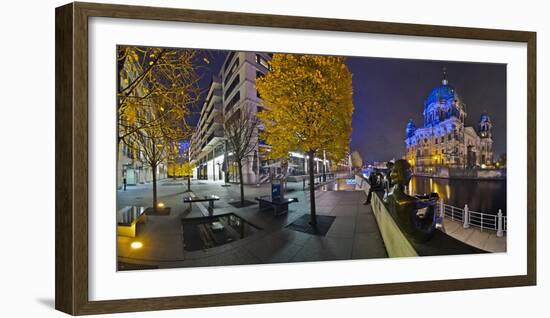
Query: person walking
[[374, 184]]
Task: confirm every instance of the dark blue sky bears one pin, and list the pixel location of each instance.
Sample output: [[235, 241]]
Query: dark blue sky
[[389, 92]]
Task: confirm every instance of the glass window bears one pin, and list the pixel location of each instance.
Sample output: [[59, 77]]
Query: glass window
[[232, 86], [234, 68], [262, 61], [233, 101], [229, 58]]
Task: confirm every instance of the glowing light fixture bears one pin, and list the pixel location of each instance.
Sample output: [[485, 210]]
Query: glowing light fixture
[[136, 245], [160, 205]]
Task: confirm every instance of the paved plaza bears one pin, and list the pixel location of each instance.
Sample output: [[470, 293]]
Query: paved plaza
[[353, 235]]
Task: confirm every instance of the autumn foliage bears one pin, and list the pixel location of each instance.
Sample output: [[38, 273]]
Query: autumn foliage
[[156, 89], [308, 103]]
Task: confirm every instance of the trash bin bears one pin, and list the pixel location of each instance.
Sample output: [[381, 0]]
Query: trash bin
[[276, 189]]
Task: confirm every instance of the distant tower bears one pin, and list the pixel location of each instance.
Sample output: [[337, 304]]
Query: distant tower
[[411, 128], [444, 81], [485, 126]]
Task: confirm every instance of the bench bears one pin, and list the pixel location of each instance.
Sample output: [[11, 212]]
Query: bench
[[205, 198], [127, 219], [279, 205]]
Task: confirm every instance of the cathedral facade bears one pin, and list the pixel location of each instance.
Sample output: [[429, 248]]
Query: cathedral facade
[[444, 139]]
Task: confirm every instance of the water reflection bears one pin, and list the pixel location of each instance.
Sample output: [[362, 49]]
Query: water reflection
[[485, 196]]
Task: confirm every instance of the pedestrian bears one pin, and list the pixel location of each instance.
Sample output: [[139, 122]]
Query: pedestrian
[[124, 183], [374, 184]]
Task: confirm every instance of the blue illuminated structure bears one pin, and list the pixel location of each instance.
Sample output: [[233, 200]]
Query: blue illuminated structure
[[445, 140]]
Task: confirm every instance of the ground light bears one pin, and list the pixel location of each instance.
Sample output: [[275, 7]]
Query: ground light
[[160, 205], [136, 245]]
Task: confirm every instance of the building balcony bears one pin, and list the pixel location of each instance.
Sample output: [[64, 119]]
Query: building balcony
[[213, 139]]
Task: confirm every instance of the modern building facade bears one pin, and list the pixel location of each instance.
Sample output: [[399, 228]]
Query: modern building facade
[[444, 139], [130, 162], [207, 143], [231, 92]]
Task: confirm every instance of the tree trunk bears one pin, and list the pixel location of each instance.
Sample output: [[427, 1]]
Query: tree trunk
[[225, 163], [155, 201], [188, 184], [240, 165], [313, 220]]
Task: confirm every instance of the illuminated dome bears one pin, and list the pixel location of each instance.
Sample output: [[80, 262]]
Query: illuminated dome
[[411, 128], [442, 103], [484, 118], [442, 94]]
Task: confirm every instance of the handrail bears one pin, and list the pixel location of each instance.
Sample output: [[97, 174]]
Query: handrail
[[474, 218]]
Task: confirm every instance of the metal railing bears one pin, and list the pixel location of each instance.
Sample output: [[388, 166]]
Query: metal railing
[[495, 222]]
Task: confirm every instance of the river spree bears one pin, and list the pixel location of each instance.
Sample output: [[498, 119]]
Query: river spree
[[485, 196]]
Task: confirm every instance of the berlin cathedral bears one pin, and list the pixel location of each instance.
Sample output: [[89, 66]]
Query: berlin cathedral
[[445, 140]]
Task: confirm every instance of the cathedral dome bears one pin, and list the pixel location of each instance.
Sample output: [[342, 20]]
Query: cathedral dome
[[442, 93], [442, 103]]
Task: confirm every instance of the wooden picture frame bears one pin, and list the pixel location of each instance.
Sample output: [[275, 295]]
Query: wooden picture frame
[[71, 89]]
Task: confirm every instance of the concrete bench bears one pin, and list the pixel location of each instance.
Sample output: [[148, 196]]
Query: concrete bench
[[127, 219], [205, 198], [279, 205]]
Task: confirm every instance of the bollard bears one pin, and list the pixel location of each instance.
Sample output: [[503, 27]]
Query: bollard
[[439, 219], [500, 232], [466, 217]]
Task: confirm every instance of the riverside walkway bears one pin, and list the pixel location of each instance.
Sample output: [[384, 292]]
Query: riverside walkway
[[482, 231], [486, 240]]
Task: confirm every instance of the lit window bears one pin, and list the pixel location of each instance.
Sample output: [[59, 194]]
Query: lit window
[[262, 61]]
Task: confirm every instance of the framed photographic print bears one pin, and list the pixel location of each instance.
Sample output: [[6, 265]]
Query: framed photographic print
[[219, 158]]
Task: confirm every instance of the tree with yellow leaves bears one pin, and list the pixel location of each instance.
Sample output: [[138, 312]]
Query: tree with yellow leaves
[[156, 89], [308, 103], [155, 80]]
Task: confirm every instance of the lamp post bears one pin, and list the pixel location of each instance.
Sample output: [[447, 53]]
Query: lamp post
[[324, 166]]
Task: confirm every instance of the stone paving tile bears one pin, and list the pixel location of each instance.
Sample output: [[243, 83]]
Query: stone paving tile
[[324, 249], [343, 226], [364, 209], [477, 237], [366, 223], [344, 210], [498, 244], [273, 250], [290, 236], [486, 240], [368, 246]]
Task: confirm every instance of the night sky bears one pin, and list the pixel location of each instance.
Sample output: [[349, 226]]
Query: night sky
[[389, 92]]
